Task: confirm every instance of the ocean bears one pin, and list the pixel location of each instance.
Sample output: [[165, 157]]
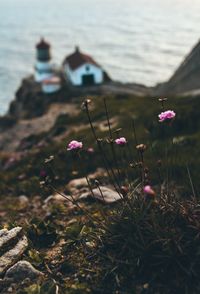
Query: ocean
[[140, 41]]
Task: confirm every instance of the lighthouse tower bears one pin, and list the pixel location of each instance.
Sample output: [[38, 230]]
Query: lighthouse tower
[[43, 67]]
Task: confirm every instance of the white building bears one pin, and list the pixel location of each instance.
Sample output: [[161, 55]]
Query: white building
[[43, 67], [81, 69], [51, 85]]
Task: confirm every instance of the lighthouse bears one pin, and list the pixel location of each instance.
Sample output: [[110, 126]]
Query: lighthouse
[[43, 67]]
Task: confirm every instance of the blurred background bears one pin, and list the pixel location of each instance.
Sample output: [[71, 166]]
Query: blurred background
[[140, 41]]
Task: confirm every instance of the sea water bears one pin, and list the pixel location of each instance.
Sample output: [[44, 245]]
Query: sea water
[[140, 41]]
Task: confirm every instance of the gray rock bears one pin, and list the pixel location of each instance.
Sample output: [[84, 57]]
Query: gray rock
[[56, 198], [12, 246], [77, 184], [7, 236], [185, 78], [103, 194], [13, 243], [23, 200], [22, 270], [3, 232]]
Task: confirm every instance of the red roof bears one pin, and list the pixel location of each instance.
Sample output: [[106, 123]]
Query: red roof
[[77, 59], [42, 44]]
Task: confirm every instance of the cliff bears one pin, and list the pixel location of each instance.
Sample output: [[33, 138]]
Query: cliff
[[31, 102], [67, 238], [186, 78]]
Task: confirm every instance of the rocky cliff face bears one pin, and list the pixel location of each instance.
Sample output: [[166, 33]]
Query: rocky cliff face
[[186, 78], [31, 102]]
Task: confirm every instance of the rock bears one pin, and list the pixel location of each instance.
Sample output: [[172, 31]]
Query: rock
[[103, 126], [56, 198], [11, 256], [3, 232], [80, 183], [21, 177], [185, 78], [8, 236], [23, 201], [10, 163], [12, 246], [103, 194], [21, 271], [76, 184]]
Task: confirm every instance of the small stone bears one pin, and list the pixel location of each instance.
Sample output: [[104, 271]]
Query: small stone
[[21, 177], [22, 270], [56, 198], [103, 194], [90, 244], [77, 184], [146, 286], [23, 201]]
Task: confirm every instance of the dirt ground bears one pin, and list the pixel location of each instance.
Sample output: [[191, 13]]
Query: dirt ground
[[9, 141]]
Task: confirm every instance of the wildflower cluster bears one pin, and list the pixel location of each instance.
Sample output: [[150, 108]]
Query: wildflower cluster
[[157, 226], [121, 141], [149, 191], [166, 115], [75, 145]]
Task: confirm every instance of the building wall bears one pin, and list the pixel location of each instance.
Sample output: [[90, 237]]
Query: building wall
[[75, 77], [50, 88], [43, 71], [43, 65], [39, 77]]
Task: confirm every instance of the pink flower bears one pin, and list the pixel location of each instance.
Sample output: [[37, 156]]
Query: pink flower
[[74, 145], [43, 173], [149, 191], [121, 141], [166, 115]]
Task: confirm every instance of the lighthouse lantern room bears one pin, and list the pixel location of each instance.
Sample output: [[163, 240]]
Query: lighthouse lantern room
[[43, 67]]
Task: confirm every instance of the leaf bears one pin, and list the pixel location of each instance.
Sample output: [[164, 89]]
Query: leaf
[[73, 231], [49, 288], [35, 256], [33, 289]]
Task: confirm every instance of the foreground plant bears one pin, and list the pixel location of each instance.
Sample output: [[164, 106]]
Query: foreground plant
[[75, 145], [150, 240], [166, 115], [153, 247]]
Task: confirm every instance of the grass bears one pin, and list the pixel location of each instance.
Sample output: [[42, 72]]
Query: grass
[[153, 247], [143, 244], [185, 133]]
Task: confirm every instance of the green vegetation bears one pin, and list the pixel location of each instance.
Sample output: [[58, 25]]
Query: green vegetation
[[142, 244], [184, 133]]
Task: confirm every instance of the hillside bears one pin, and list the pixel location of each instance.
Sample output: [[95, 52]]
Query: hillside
[[26, 144], [75, 241], [186, 78]]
